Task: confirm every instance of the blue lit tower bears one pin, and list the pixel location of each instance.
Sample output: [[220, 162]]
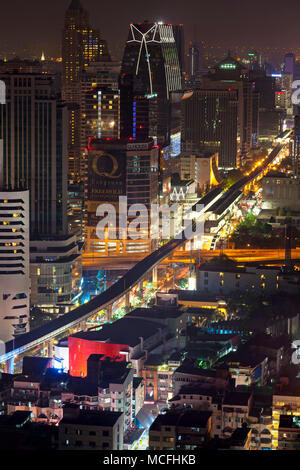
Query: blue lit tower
[[150, 71]]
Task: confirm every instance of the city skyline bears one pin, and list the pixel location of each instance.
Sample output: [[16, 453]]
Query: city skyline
[[149, 228], [39, 26]]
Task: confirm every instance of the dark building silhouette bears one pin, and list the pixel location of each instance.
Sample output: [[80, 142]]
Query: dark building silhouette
[[210, 119]]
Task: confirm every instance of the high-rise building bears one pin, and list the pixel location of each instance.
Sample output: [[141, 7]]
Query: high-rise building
[[289, 63], [14, 263], [119, 168], [99, 104], [34, 128], [230, 74], [195, 59], [142, 188], [270, 96], [101, 114], [151, 67], [178, 33], [210, 124], [81, 45], [14, 251]]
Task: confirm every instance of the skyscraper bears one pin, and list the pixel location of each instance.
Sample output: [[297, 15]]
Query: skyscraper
[[229, 74], [14, 263], [289, 63], [210, 124], [81, 45], [34, 128], [14, 250], [150, 67], [119, 168], [195, 59]]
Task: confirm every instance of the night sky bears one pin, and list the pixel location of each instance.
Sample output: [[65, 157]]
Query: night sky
[[27, 27]]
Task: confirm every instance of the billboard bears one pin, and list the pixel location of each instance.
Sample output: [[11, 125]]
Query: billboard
[[106, 174], [163, 299]]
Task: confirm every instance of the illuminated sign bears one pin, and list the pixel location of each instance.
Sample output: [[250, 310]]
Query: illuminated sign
[[106, 175], [178, 193]]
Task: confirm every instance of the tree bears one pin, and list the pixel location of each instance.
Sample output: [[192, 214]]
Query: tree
[[233, 177]]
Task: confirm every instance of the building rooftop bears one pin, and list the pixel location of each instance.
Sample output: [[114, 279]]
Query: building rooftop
[[127, 331], [157, 312], [237, 398], [17, 419], [188, 418], [243, 358], [93, 418], [187, 368]]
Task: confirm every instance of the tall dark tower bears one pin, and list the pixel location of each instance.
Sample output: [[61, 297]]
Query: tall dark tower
[[81, 45], [151, 68]]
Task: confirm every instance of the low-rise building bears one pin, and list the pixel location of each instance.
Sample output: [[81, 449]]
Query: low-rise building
[[224, 278], [236, 408], [286, 401], [247, 367], [158, 376], [188, 373], [289, 433], [90, 430], [129, 339], [187, 430]]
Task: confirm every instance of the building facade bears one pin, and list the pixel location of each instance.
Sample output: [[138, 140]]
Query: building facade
[[151, 66], [14, 264]]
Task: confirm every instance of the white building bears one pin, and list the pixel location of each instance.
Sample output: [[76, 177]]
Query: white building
[[225, 279], [14, 264]]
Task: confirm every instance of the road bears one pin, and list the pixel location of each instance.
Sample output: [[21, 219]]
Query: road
[[183, 256]]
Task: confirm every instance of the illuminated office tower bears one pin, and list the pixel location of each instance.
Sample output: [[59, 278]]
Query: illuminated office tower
[[100, 103], [34, 127], [101, 114], [142, 188], [81, 45], [151, 66]]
